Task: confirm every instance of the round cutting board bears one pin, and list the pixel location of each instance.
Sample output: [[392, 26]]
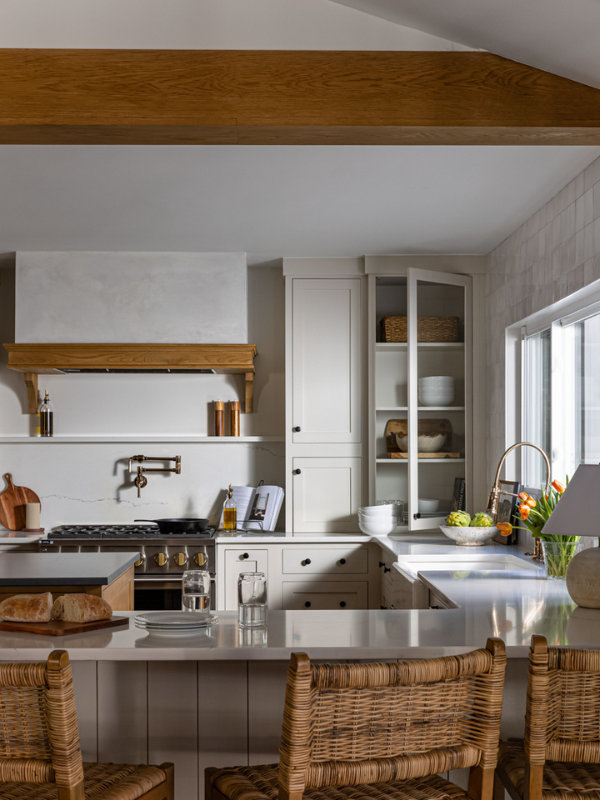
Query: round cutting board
[[12, 504]]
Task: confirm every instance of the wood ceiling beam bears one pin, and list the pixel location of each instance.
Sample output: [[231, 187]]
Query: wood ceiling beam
[[288, 97]]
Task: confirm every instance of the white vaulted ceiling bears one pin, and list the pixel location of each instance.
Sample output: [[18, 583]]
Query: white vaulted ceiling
[[553, 35], [276, 201]]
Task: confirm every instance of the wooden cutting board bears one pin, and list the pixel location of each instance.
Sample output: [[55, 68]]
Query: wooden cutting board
[[12, 504], [58, 628]]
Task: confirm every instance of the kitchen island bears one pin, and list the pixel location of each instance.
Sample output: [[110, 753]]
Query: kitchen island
[[217, 700], [107, 575]]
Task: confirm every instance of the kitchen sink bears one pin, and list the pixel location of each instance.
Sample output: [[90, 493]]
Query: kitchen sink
[[468, 562]]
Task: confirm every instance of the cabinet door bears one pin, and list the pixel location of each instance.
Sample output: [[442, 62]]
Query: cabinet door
[[324, 595], [241, 560], [326, 494], [326, 360]]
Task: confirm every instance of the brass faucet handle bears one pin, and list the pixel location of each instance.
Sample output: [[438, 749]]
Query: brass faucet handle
[[178, 465], [140, 481], [135, 458]]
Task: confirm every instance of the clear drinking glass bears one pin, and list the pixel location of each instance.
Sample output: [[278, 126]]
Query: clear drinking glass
[[252, 599], [195, 590]]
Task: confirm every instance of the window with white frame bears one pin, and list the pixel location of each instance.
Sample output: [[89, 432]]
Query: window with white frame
[[560, 392]]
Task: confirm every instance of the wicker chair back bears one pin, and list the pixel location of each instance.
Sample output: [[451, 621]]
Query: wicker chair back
[[563, 705], [348, 724]]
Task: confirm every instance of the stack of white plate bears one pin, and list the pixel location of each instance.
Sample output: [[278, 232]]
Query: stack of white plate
[[378, 520], [436, 390], [175, 623]]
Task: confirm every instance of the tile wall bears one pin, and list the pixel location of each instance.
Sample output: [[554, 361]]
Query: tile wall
[[553, 254]]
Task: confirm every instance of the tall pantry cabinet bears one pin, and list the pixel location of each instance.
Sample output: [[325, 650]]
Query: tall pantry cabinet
[[354, 399], [325, 397]]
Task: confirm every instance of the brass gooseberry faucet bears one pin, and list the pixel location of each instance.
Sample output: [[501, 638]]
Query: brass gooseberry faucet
[[492, 508]]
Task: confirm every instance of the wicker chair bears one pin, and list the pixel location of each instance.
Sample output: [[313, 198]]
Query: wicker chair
[[560, 756], [381, 731], [40, 755]]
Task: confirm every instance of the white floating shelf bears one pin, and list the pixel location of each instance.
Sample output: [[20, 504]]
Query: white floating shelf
[[421, 460], [141, 439], [389, 347], [441, 408], [392, 408]]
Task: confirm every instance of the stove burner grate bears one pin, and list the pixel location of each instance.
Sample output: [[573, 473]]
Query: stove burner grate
[[120, 532]]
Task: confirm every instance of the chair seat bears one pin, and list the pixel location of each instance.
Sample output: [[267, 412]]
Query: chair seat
[[102, 782], [562, 780], [261, 783]]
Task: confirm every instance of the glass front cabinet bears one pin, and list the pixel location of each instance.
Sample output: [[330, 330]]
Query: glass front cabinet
[[420, 394]]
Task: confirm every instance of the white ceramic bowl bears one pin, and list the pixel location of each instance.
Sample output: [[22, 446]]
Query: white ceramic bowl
[[429, 397], [425, 443], [436, 380], [428, 506], [376, 518], [378, 527], [378, 511], [469, 537]]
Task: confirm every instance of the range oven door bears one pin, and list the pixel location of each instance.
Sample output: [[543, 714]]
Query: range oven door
[[162, 593]]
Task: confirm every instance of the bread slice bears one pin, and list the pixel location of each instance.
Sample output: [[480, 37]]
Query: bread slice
[[80, 608], [27, 607]]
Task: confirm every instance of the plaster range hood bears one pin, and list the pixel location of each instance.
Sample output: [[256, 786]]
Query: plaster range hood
[[33, 359]]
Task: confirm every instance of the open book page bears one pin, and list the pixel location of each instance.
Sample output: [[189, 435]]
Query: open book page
[[257, 508]]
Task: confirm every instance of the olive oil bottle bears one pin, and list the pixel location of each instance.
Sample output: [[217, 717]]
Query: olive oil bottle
[[229, 512], [46, 414]]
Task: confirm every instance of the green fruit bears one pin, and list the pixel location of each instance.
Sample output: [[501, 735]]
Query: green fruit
[[482, 520], [458, 519]]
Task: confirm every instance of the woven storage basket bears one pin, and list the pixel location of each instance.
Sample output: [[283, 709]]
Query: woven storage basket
[[429, 329]]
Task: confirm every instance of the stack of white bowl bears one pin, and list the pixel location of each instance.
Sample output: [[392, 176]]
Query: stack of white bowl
[[437, 390], [378, 520]]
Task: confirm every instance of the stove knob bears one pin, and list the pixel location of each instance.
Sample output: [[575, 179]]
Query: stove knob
[[140, 560], [181, 559], [160, 559], [201, 559]]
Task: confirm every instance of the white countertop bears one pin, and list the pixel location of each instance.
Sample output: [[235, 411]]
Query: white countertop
[[512, 605]]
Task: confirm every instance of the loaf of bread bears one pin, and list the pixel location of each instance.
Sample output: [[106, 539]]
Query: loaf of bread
[[80, 608], [27, 607]]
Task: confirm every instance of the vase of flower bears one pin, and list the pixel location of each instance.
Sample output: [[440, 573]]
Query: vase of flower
[[558, 550], [557, 556]]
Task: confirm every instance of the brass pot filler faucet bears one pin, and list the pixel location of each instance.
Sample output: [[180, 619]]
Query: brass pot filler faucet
[[141, 480]]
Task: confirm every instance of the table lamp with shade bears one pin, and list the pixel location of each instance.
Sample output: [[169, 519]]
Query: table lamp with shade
[[578, 514]]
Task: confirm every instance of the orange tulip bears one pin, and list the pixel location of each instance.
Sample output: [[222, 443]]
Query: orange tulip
[[531, 502], [525, 511], [558, 486], [505, 528], [523, 497]]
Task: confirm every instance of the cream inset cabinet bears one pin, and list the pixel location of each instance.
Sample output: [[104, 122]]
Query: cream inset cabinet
[[325, 393], [326, 364], [421, 395]]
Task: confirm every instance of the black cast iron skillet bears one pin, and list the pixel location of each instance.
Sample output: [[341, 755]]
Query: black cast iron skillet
[[178, 525]]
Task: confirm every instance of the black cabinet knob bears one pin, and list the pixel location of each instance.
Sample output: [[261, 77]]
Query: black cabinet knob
[[245, 555], [342, 560], [308, 604], [342, 604], [297, 429], [306, 562], [417, 515], [387, 569], [297, 472], [382, 563]]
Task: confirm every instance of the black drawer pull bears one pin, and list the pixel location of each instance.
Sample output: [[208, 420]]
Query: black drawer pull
[[306, 562], [342, 603], [387, 569], [382, 563], [308, 604], [245, 555], [297, 429], [342, 560], [297, 472]]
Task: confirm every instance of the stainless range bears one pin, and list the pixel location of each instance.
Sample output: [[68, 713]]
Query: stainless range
[[163, 558]]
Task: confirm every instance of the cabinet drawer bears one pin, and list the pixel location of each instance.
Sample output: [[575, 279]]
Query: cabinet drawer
[[324, 595], [309, 560]]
